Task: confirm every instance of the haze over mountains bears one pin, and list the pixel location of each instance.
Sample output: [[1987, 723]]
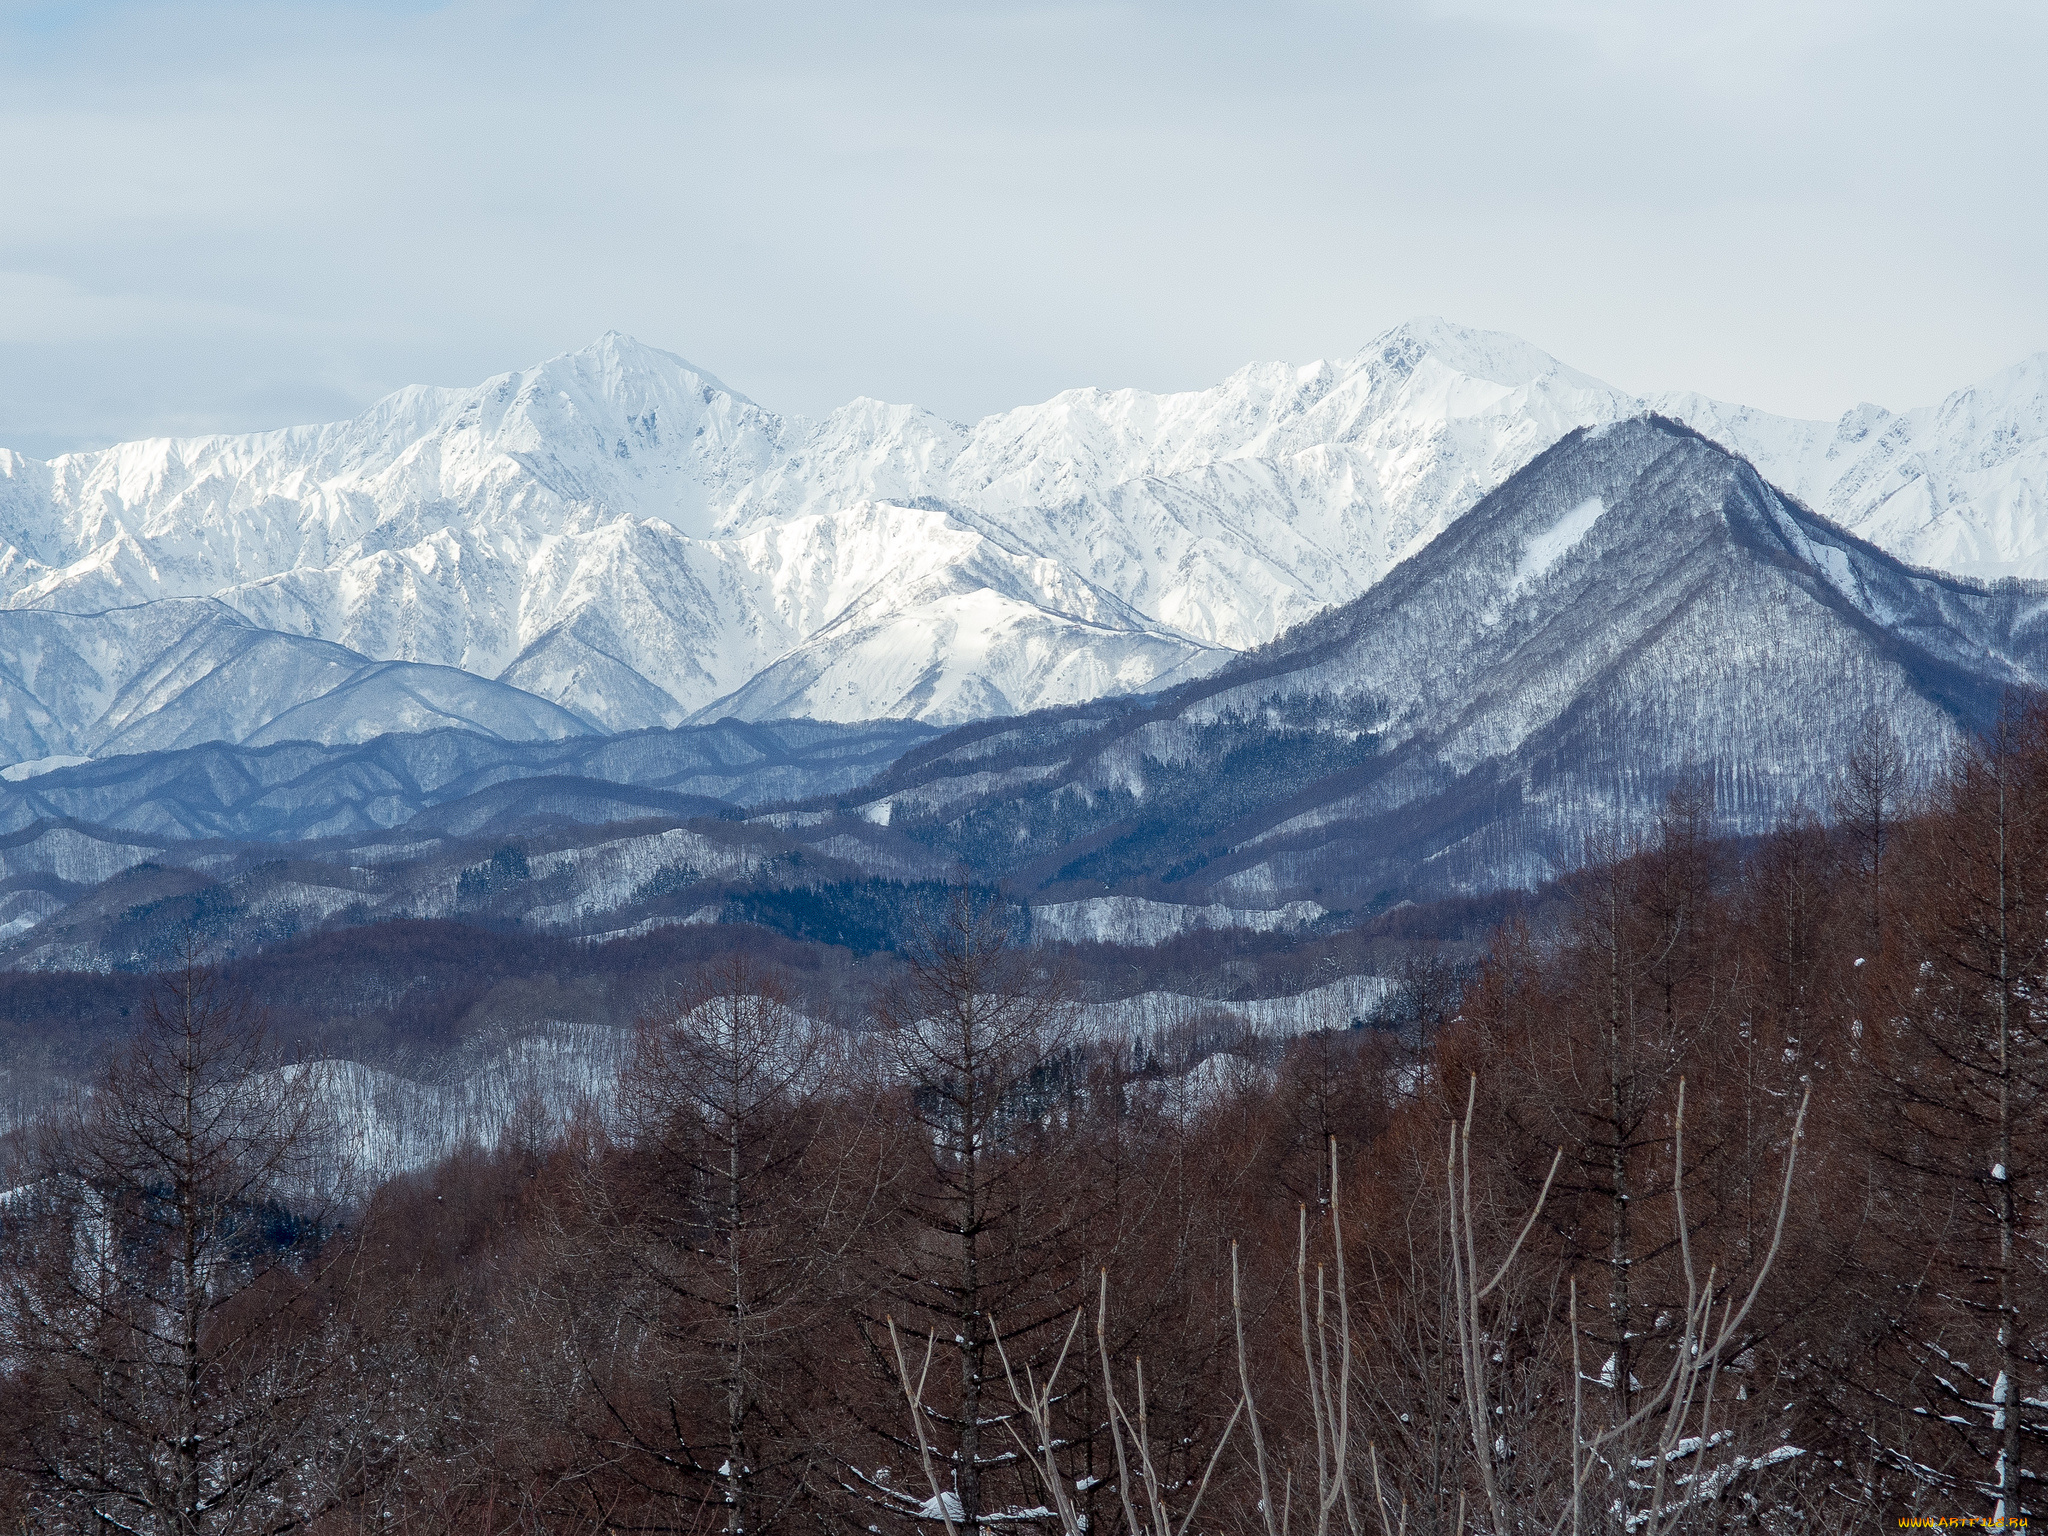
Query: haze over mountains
[[614, 540]]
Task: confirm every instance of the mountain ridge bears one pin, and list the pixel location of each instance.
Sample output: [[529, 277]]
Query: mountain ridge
[[1475, 715], [621, 535], [1635, 610]]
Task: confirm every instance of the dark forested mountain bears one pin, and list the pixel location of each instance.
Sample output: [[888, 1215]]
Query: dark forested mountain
[[133, 850], [1636, 606], [300, 789]]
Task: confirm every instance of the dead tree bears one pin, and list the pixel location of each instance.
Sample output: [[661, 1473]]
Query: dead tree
[[1671, 1459], [1867, 804]]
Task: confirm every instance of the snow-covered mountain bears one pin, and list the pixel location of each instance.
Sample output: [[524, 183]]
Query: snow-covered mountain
[[1635, 607], [624, 537], [183, 671], [1961, 486]]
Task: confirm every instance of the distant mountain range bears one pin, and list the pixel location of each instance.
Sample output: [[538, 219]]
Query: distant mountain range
[[615, 540], [292, 791], [1634, 606], [417, 709], [107, 863]]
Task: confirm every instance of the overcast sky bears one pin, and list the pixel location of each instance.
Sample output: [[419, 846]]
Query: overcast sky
[[232, 217]]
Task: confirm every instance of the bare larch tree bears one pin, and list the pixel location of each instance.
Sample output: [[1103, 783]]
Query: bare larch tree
[[154, 1273]]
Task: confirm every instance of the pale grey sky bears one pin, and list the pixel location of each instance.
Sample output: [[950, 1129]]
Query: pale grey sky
[[222, 216]]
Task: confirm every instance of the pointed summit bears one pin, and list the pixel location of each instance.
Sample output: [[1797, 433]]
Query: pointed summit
[[1495, 356], [632, 503], [1632, 608], [626, 357]]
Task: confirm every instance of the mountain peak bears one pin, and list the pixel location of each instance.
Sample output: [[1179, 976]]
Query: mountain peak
[[676, 539], [2021, 388], [625, 356], [1495, 356]]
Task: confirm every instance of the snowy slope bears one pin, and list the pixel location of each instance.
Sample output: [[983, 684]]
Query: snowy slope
[[1961, 486], [1635, 606], [618, 533], [183, 671], [1133, 920], [1229, 512]]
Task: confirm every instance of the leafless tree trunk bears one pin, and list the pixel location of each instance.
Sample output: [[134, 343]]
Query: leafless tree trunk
[[969, 1030], [1868, 803], [1956, 1033], [161, 1299], [723, 1222]]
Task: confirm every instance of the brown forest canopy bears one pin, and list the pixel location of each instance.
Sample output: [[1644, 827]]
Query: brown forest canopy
[[1471, 1269]]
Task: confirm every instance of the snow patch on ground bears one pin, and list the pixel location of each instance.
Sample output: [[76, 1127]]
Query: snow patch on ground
[[387, 1124], [1557, 541], [16, 772], [390, 1124], [1336, 1005], [1134, 920], [649, 925]]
